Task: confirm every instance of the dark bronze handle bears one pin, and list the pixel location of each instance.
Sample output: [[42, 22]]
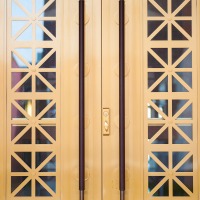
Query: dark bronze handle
[[122, 98], [81, 101]]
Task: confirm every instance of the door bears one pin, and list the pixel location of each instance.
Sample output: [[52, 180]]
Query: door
[[39, 145], [161, 70], [41, 100]]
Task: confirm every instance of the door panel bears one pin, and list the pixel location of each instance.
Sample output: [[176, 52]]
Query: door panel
[[42, 100], [110, 93], [70, 112]]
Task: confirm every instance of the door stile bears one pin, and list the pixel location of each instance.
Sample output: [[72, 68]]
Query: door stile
[[70, 101], [198, 89], [110, 94]]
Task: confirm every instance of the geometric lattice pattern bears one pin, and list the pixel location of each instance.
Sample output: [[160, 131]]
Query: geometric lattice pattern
[[33, 100], [170, 100]]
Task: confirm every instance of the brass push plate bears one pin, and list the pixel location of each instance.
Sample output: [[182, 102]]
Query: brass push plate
[[106, 121]]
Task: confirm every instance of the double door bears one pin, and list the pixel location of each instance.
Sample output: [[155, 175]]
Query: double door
[[39, 119]]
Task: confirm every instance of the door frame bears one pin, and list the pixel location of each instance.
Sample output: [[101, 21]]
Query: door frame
[[2, 99], [69, 53]]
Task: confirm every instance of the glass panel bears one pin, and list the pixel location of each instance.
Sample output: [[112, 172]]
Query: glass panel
[[17, 10], [21, 109], [178, 138], [51, 130], [27, 4], [153, 77], [50, 166], [177, 86], [177, 157], [40, 190], [178, 190], [176, 34], [17, 77], [186, 62], [187, 130], [26, 157], [162, 4], [187, 166], [41, 137], [162, 86], [186, 114], [162, 136], [48, 31], [162, 34], [177, 105], [153, 166], [50, 11], [16, 130], [17, 26], [26, 105], [186, 77], [49, 61], [39, 4], [26, 138], [16, 181], [153, 25], [177, 53], [26, 35], [161, 105], [16, 114], [25, 191], [21, 58], [163, 157], [163, 190], [41, 105], [152, 11], [153, 181], [153, 63], [176, 4], [44, 85], [17, 166], [187, 10], [162, 53], [186, 25], [40, 157], [187, 181], [50, 181]]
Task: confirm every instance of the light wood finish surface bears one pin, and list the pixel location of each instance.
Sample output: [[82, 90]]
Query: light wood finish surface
[[102, 90], [110, 93], [69, 101]]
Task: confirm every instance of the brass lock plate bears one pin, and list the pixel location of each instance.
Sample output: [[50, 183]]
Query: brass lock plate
[[106, 121]]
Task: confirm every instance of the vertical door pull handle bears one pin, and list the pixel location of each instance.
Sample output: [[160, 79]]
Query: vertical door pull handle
[[122, 99], [81, 100]]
